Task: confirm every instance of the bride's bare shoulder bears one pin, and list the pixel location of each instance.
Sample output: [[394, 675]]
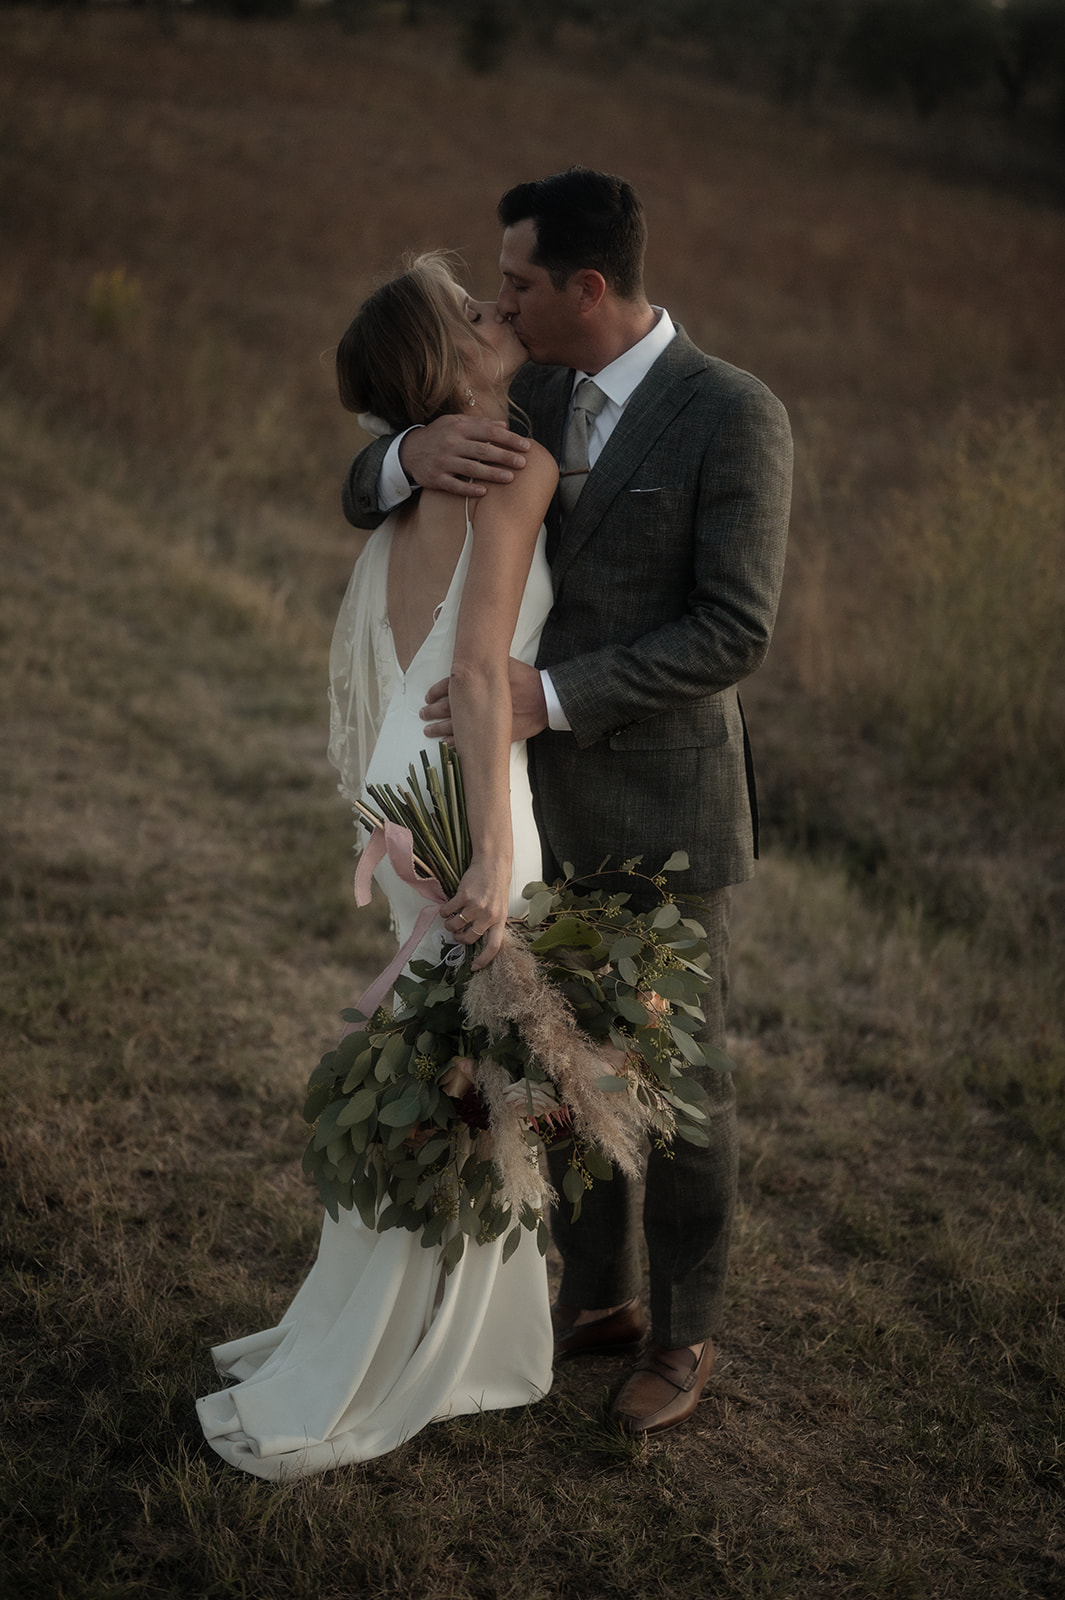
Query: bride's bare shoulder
[[543, 459], [535, 483]]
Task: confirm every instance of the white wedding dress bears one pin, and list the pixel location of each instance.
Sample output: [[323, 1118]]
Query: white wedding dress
[[378, 1342]]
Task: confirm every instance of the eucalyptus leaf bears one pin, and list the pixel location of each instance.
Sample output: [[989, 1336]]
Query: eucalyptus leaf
[[327, 1124], [360, 1067], [690, 1090], [328, 1196], [678, 862], [433, 1230], [451, 1254], [597, 1163], [566, 931], [629, 971], [364, 1197], [687, 1046], [429, 1152], [399, 1111], [394, 1057], [573, 1185], [717, 1060], [687, 1110], [692, 1135], [696, 1013], [539, 906], [325, 1072], [393, 1216], [469, 1221], [358, 1107], [631, 1009], [511, 1243], [361, 1133], [316, 1103], [666, 916]]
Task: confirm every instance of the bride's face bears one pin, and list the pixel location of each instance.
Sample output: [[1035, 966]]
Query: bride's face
[[497, 334]]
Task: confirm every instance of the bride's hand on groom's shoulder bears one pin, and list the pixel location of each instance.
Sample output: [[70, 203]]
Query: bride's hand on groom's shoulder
[[528, 706], [462, 455]]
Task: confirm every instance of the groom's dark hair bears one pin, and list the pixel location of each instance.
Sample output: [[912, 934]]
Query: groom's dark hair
[[583, 219]]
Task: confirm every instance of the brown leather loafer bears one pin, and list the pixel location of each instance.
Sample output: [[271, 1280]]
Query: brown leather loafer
[[663, 1389], [619, 1331]]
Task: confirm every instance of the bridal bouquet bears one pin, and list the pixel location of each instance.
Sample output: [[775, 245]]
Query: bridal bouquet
[[430, 1116]]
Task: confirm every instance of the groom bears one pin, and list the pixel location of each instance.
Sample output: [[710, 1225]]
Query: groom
[[666, 543]]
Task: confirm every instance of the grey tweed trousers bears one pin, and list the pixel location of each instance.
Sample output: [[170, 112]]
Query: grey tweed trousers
[[689, 1198]]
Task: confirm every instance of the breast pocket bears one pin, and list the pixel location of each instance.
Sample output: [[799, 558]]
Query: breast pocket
[[649, 507]]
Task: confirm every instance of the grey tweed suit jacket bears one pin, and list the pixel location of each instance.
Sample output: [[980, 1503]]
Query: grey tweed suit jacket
[[666, 580]]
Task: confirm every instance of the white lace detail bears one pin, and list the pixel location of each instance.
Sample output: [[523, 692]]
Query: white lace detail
[[361, 675]]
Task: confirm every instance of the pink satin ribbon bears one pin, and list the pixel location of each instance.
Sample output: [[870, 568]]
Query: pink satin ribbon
[[395, 842]]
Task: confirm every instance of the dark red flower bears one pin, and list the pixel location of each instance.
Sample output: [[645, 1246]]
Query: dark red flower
[[472, 1110]]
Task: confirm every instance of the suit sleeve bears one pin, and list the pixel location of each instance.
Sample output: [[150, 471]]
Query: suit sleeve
[[737, 528], [358, 494]]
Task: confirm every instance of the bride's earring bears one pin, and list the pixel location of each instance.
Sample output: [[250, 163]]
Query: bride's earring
[[471, 398]]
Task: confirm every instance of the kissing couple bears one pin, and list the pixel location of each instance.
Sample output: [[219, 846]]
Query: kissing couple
[[580, 532]]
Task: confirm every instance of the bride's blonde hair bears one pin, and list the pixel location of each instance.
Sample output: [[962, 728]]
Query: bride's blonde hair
[[402, 358]]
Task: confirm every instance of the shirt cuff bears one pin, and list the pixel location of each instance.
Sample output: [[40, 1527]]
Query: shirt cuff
[[556, 717], [393, 485]]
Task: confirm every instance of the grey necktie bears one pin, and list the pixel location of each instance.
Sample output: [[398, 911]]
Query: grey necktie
[[587, 404]]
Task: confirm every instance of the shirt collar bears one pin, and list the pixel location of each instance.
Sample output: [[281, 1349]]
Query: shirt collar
[[622, 377]]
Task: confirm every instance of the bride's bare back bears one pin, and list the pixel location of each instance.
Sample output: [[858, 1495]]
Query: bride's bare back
[[429, 537]]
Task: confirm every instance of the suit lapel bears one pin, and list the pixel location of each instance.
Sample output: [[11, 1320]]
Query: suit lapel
[[544, 397], [657, 400]]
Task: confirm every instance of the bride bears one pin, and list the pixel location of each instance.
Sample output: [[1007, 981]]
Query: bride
[[378, 1342]]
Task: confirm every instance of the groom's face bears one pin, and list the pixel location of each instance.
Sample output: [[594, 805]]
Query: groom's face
[[545, 319]]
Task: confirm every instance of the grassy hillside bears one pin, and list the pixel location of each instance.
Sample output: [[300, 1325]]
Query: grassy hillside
[[187, 224]]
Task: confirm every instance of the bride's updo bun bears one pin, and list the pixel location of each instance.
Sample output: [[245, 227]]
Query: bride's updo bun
[[402, 358]]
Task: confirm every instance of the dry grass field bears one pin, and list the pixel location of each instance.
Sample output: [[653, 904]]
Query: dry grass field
[[186, 224]]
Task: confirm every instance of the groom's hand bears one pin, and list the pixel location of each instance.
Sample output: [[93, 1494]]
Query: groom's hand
[[527, 701], [462, 455]]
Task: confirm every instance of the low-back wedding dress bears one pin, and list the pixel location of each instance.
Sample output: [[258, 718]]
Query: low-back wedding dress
[[378, 1342]]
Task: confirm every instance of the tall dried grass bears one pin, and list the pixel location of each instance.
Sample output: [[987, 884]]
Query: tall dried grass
[[964, 665], [188, 224]]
